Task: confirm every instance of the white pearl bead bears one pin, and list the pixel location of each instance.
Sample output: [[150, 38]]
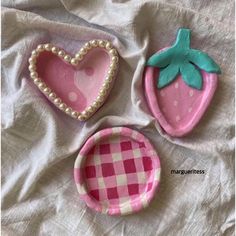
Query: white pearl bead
[[68, 110], [32, 68], [67, 58], [113, 66], [112, 52], [83, 51], [47, 90], [52, 95], [100, 97], [32, 60], [88, 46], [106, 86], [84, 113], [33, 75], [74, 114], [57, 101], [90, 109], [114, 59], [111, 72], [40, 48], [100, 100], [47, 47], [78, 56], [34, 53], [102, 92], [74, 62], [109, 79], [54, 50], [81, 117], [41, 85], [37, 81], [62, 106], [94, 43], [108, 46], [61, 53], [101, 43], [95, 104]]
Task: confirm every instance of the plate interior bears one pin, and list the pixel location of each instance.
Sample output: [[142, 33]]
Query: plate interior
[[78, 86], [117, 170]]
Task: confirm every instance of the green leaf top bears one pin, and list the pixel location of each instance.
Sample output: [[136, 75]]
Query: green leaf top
[[181, 59]]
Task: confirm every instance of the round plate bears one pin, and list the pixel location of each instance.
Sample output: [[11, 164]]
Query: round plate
[[117, 171]]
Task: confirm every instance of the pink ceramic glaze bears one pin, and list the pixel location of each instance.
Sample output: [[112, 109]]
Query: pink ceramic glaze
[[77, 85], [177, 107], [117, 171]]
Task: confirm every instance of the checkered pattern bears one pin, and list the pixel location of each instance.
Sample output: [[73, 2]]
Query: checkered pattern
[[120, 172]]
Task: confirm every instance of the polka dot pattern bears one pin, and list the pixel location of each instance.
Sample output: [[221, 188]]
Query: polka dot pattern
[[178, 118], [72, 96], [162, 93], [191, 93], [178, 101]]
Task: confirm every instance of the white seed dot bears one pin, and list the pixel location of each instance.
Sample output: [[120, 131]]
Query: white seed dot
[[191, 93], [162, 93], [177, 118], [190, 109], [175, 103], [176, 85]]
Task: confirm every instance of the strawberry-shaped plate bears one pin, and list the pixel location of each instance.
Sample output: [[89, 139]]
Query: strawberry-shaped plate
[[117, 171], [77, 85], [179, 84]]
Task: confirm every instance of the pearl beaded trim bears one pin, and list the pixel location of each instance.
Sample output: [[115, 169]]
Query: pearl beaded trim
[[74, 61]]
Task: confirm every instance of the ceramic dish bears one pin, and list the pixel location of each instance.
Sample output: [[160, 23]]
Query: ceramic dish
[[78, 85], [117, 171], [179, 84]]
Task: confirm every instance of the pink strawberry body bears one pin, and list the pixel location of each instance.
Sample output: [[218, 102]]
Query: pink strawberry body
[[177, 107]]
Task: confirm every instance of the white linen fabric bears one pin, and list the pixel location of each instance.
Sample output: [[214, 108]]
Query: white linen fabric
[[40, 143]]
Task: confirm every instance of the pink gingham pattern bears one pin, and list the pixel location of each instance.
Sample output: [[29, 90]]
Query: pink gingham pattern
[[117, 171]]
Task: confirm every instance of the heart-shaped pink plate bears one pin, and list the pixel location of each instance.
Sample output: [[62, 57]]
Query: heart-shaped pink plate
[[77, 85]]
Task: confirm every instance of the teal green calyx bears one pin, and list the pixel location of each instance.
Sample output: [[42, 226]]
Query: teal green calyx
[[181, 59]]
